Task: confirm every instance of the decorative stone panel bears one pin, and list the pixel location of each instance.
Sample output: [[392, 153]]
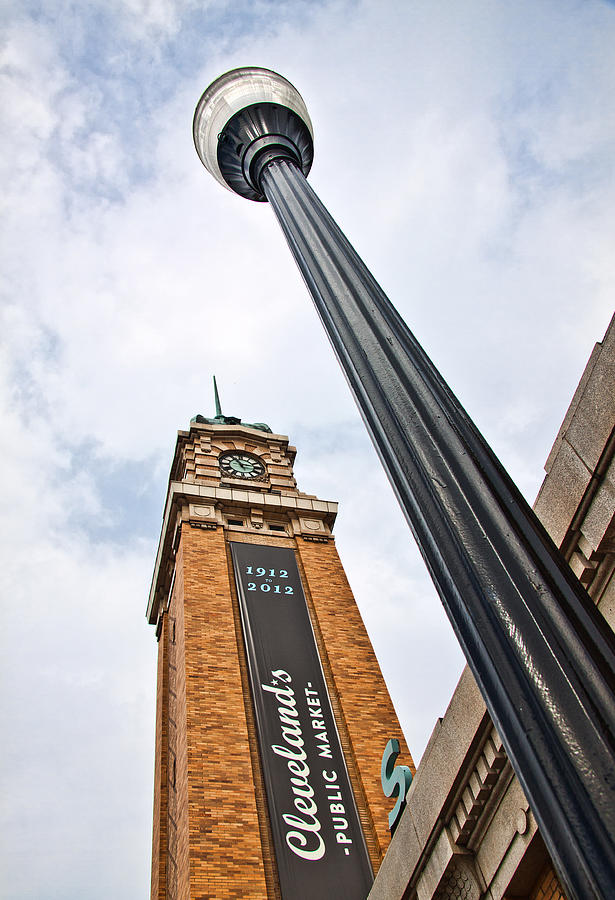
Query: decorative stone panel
[[459, 882], [478, 787]]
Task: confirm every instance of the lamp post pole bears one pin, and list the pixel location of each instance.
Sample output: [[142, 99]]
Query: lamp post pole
[[542, 655]]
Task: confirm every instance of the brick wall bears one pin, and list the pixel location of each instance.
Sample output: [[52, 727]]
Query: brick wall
[[212, 837], [159, 837], [225, 847], [548, 887]]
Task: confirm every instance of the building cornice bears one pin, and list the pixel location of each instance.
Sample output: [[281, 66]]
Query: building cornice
[[312, 514]]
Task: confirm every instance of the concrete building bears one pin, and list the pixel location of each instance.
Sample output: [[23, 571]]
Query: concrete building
[[467, 831]]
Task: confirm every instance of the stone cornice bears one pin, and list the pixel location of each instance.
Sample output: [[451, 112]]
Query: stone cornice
[[187, 494]]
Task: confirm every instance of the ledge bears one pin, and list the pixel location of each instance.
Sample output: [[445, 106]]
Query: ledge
[[186, 491]]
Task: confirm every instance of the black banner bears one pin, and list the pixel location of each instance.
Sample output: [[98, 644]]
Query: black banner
[[319, 844]]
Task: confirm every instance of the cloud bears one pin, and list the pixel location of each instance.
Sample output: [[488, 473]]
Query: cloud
[[467, 152]]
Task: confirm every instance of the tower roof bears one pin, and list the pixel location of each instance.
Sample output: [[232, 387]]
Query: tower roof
[[221, 419]]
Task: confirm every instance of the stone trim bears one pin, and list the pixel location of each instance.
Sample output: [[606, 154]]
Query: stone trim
[[200, 503], [477, 788]]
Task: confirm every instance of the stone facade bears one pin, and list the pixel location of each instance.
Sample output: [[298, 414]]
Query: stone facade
[[211, 836], [577, 498], [467, 831]]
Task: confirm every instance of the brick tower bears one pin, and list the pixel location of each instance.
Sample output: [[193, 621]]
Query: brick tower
[[272, 713]]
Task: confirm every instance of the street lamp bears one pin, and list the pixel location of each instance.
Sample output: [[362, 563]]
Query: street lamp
[[543, 657]]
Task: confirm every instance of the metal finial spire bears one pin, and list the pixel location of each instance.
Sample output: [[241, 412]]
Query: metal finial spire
[[217, 399], [221, 419]]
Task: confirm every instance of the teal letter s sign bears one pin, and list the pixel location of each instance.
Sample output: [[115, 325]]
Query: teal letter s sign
[[395, 781]]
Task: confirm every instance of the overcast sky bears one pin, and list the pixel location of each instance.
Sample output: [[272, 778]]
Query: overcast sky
[[465, 146]]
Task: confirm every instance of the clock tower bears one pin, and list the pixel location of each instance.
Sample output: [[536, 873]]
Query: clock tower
[[272, 714]]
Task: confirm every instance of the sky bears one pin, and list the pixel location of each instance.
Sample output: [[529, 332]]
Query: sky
[[467, 150]]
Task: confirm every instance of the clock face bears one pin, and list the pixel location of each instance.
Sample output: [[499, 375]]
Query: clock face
[[242, 465]]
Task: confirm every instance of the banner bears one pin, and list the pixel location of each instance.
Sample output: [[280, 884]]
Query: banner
[[319, 844]]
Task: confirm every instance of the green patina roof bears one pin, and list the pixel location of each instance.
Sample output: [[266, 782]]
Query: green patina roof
[[221, 419]]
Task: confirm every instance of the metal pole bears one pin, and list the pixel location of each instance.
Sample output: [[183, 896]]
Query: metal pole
[[544, 658], [542, 655]]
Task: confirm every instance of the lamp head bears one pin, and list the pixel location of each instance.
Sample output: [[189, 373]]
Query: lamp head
[[246, 118]]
